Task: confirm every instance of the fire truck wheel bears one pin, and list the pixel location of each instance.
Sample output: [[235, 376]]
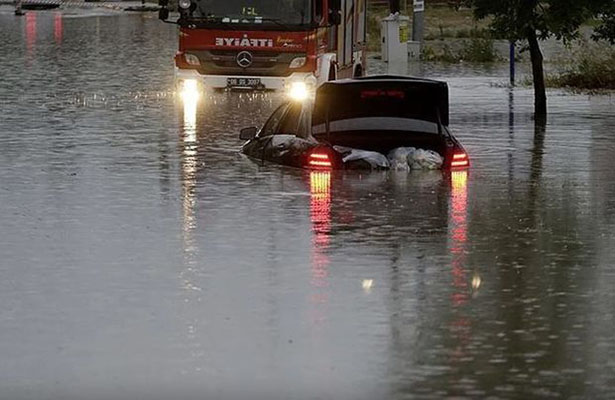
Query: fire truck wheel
[[358, 71], [332, 74]]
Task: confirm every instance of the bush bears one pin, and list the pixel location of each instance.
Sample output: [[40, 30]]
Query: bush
[[373, 31], [479, 51], [446, 55], [591, 68], [473, 51]]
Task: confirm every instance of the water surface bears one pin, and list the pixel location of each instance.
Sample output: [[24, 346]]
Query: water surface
[[143, 257]]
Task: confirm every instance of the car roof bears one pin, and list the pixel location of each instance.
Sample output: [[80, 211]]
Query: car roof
[[430, 90], [387, 78]]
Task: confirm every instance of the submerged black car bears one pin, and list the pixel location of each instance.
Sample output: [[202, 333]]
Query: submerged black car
[[356, 123]]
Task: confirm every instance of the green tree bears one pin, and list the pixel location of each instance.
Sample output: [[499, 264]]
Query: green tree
[[534, 20], [606, 30]]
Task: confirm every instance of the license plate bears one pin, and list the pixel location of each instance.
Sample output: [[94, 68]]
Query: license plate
[[252, 83]]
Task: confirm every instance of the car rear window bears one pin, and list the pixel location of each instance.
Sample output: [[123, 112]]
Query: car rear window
[[375, 102], [378, 107]]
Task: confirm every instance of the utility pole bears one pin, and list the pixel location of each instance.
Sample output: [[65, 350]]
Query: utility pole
[[418, 18], [394, 7]]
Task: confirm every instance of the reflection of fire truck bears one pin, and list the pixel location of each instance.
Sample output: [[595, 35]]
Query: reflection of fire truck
[[269, 44]]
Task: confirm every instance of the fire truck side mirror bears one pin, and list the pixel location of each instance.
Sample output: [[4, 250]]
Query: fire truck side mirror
[[163, 13], [335, 7], [335, 18]]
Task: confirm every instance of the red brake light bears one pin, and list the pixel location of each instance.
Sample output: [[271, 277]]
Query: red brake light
[[460, 160], [320, 160]]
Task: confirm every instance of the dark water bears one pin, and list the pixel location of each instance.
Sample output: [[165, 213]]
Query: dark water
[[142, 257]]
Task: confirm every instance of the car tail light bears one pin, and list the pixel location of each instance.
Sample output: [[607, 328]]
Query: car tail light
[[319, 159], [460, 159]]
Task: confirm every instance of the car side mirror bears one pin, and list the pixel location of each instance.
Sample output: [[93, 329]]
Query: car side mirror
[[163, 13], [248, 133]]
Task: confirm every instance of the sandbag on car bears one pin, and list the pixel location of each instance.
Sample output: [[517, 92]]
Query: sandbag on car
[[401, 159], [362, 159], [407, 158]]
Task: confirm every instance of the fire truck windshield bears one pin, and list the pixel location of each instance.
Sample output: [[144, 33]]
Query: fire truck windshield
[[281, 12]]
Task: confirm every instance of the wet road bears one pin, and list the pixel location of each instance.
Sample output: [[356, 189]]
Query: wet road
[[142, 257]]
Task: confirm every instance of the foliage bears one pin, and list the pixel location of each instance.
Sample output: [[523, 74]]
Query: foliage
[[591, 68], [446, 55], [456, 32], [512, 19], [479, 50], [476, 50], [606, 30], [535, 20], [443, 21], [373, 31]]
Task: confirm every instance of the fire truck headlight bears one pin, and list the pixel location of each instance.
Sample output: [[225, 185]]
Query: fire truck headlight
[[297, 62], [185, 4], [311, 81], [192, 59], [298, 91], [190, 91]]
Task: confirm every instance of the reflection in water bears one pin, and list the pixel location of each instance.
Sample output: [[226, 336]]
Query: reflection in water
[[511, 135], [460, 326], [190, 92], [189, 170], [458, 234], [30, 32], [189, 166], [320, 206], [476, 282], [58, 27], [320, 215], [540, 325], [536, 163], [189, 131], [367, 285]]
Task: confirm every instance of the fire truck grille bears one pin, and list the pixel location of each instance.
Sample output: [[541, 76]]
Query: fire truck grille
[[224, 62]]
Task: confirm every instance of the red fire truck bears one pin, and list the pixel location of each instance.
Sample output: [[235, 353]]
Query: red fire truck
[[269, 44]]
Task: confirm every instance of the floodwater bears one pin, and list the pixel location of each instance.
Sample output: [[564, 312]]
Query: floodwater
[[142, 257]]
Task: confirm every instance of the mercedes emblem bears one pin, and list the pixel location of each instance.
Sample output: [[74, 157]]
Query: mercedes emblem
[[244, 59]]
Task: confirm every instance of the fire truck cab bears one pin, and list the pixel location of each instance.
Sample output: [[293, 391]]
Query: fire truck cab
[[269, 44]]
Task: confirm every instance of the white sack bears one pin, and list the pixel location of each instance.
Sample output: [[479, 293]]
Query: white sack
[[375, 159], [398, 158], [425, 159]]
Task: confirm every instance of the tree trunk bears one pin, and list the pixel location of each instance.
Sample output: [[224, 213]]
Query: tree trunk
[[540, 95]]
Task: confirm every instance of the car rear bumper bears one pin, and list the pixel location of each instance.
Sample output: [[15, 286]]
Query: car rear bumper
[[222, 81]]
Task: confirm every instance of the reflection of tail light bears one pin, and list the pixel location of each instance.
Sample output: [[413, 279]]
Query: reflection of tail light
[[459, 181], [30, 30], [458, 234], [320, 207], [57, 27], [319, 159], [460, 159], [459, 204]]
